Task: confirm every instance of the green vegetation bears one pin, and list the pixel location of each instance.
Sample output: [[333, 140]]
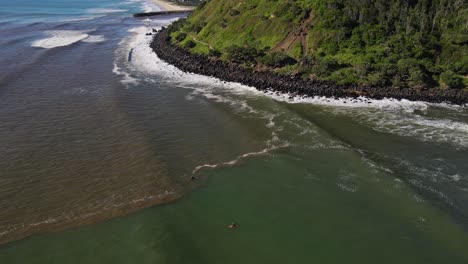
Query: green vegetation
[[400, 43], [277, 59], [244, 54], [187, 2]]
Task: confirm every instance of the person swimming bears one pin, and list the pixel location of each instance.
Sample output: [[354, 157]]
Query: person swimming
[[233, 225]]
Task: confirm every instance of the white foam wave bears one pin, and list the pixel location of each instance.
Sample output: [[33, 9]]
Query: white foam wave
[[127, 78], [432, 190], [47, 221], [94, 39], [348, 181], [424, 128], [72, 216], [238, 159], [60, 38], [394, 116], [106, 10], [126, 55], [360, 102], [433, 174], [456, 177], [145, 60], [347, 188], [80, 19]]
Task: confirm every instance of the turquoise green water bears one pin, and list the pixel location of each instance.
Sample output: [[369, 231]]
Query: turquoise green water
[[317, 200], [289, 210]]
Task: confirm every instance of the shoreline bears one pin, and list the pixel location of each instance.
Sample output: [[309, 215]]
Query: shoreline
[[269, 81], [170, 6]]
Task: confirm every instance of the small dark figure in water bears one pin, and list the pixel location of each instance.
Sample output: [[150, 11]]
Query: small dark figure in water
[[233, 225], [193, 178]]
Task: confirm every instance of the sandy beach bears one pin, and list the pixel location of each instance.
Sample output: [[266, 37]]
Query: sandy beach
[[170, 6]]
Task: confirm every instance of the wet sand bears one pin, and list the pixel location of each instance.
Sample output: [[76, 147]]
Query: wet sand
[[169, 6]]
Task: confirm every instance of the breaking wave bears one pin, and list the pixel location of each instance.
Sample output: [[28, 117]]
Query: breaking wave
[[94, 39], [62, 38], [106, 10]]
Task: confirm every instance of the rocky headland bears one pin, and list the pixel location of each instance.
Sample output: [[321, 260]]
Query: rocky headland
[[267, 80]]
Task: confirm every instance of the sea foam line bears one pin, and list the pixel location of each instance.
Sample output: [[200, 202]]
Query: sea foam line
[[62, 38], [64, 218], [238, 159], [106, 10]]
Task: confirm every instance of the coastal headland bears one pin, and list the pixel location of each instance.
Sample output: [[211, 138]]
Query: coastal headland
[[268, 81]]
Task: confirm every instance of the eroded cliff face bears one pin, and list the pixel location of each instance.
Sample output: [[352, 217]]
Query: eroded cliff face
[[399, 43]]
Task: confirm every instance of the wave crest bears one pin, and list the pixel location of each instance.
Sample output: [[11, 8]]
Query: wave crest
[[62, 38]]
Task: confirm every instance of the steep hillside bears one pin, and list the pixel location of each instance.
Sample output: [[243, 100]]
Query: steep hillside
[[400, 43]]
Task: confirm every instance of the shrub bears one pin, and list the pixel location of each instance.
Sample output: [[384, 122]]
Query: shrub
[[243, 54], [176, 25], [411, 73], [460, 67], [297, 51], [277, 59], [181, 36], [234, 12], [321, 66], [344, 76], [377, 78], [193, 27], [201, 5], [223, 23], [214, 53], [197, 29], [189, 44], [452, 80], [417, 76]]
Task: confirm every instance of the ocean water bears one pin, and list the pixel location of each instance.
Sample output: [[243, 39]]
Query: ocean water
[[99, 139]]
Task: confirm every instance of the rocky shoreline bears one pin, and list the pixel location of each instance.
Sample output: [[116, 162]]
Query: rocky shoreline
[[294, 85]]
